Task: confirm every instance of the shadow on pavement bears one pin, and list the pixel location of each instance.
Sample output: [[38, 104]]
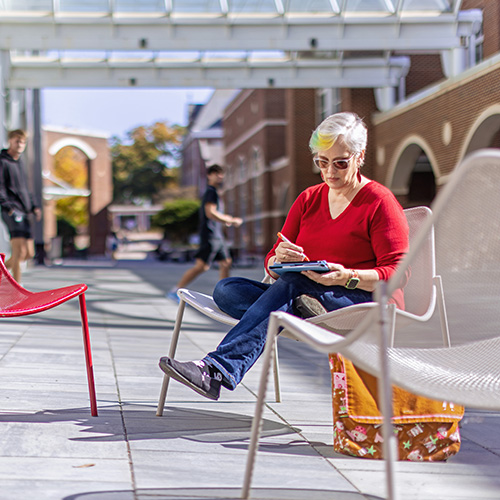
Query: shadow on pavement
[[141, 423], [221, 493]]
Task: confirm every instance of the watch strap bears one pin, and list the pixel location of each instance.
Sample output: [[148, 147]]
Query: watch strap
[[353, 280]]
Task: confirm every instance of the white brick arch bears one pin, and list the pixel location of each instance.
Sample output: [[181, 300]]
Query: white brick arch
[[404, 160], [59, 144], [482, 131]]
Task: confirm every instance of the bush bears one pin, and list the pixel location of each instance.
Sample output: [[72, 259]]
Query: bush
[[179, 219], [67, 232]]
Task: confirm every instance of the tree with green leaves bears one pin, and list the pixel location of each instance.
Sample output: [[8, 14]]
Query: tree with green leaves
[[146, 162], [178, 219]]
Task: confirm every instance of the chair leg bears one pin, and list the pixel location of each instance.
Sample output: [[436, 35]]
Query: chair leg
[[389, 444], [259, 408], [442, 311], [392, 322], [276, 372], [171, 354], [88, 355]]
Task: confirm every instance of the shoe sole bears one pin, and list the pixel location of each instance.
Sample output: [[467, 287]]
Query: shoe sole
[[171, 372]]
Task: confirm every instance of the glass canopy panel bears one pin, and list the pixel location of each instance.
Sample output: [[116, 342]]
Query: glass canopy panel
[[313, 6], [234, 6], [147, 6], [196, 6], [252, 6], [26, 5], [427, 5], [79, 6], [379, 6]]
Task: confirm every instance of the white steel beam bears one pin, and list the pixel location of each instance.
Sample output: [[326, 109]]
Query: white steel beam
[[174, 32], [43, 72]]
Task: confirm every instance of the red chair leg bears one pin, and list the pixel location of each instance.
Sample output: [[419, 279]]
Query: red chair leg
[[88, 355]]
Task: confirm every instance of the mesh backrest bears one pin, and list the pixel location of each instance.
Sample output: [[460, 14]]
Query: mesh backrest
[[419, 290], [468, 248], [466, 220]]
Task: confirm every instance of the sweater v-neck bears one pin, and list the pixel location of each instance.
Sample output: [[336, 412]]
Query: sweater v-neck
[[346, 209]]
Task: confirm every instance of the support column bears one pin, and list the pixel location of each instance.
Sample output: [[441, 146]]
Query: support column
[[385, 97], [4, 72], [4, 234], [454, 61], [37, 174]]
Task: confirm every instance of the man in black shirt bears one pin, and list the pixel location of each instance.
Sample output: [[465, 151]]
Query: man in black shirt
[[212, 243], [17, 202]]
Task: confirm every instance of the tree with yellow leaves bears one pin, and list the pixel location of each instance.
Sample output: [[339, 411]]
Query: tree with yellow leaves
[[145, 163], [70, 166]]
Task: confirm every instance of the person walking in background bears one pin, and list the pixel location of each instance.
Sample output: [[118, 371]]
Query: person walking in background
[[17, 203], [212, 243]]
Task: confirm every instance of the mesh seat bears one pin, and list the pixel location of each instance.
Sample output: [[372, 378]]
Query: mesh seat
[[17, 301]]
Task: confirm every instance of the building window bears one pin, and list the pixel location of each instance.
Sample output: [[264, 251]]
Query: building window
[[257, 181], [258, 169], [479, 45], [329, 101], [242, 169]]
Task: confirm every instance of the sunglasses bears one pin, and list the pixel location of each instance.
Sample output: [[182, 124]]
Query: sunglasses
[[341, 164]]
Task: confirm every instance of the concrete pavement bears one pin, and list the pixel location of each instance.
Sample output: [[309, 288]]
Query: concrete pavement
[[51, 448]]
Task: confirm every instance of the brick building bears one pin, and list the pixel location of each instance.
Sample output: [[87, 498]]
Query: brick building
[[95, 148], [412, 147]]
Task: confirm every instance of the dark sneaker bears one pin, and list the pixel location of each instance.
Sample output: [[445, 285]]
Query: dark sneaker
[[202, 378], [306, 306]]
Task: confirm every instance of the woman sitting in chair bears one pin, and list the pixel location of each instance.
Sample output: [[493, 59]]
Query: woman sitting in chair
[[352, 222]]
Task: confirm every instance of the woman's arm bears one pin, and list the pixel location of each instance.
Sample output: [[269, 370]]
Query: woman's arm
[[283, 251], [340, 275]]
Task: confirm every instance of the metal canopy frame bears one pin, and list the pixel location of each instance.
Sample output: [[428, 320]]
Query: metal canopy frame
[[427, 31], [280, 72], [272, 43]]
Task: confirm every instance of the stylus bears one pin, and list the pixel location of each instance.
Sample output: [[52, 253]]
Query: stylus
[[284, 238]]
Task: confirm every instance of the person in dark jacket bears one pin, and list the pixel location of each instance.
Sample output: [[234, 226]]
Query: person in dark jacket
[[17, 202]]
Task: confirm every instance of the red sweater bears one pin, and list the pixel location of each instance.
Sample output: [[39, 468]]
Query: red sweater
[[371, 233]]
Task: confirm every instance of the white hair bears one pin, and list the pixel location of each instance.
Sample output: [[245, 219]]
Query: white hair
[[348, 126]]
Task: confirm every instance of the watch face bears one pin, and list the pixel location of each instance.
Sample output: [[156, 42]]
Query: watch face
[[352, 283]]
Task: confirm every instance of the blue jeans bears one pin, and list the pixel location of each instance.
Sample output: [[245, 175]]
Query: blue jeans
[[252, 302]]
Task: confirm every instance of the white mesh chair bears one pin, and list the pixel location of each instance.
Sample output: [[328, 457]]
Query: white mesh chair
[[421, 291], [466, 219], [420, 299]]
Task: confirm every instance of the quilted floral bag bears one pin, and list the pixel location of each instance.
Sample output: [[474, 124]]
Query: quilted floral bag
[[427, 430]]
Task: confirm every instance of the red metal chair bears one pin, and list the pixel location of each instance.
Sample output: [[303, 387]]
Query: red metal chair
[[17, 301]]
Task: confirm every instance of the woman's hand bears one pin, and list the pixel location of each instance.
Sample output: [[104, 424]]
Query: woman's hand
[[288, 252], [338, 275]]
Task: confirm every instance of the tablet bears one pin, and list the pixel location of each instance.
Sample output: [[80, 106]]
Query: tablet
[[319, 266]]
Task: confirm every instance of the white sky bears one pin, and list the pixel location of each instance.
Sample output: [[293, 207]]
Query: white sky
[[116, 111]]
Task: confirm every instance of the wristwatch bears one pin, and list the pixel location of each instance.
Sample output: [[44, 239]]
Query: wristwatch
[[353, 280]]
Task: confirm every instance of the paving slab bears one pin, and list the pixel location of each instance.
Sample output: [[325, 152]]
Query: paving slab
[[51, 448]]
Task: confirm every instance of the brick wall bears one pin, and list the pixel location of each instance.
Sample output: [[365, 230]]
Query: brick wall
[[362, 102], [425, 70], [301, 110], [491, 23], [461, 105]]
